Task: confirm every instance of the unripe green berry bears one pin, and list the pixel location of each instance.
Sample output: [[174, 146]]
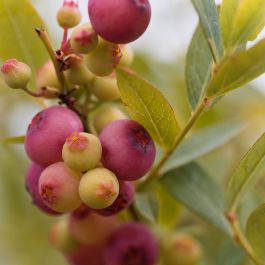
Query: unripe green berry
[[82, 151], [16, 74], [69, 15], [78, 74], [127, 56], [102, 60], [182, 250], [105, 88], [98, 188], [61, 238], [46, 76], [105, 116], [84, 39]]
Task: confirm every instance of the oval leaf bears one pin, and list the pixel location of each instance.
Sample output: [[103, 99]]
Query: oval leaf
[[147, 205], [13, 140], [247, 171], [256, 232], [18, 38], [198, 67], [238, 70], [194, 188], [209, 20], [246, 20], [202, 142], [149, 107]]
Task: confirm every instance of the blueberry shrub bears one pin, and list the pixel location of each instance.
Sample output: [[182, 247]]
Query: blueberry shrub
[[122, 172]]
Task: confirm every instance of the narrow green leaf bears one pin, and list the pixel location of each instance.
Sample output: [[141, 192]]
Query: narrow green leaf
[[209, 19], [202, 142], [149, 107], [246, 18], [247, 171], [238, 70], [198, 67], [227, 15], [255, 231], [18, 38], [13, 140], [147, 205], [170, 211], [192, 186]]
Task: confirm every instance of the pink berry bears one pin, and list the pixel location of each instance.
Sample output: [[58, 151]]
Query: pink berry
[[131, 244], [86, 255], [32, 185], [123, 200], [47, 133], [119, 21], [128, 150], [90, 228], [58, 187]]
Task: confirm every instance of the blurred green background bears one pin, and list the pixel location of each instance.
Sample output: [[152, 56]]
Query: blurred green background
[[160, 57]]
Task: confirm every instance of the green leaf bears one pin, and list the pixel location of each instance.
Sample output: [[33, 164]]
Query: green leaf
[[192, 186], [247, 171], [238, 70], [18, 38], [241, 20], [170, 211], [13, 140], [255, 231], [227, 15], [149, 107], [209, 20], [202, 142], [147, 205], [198, 67]]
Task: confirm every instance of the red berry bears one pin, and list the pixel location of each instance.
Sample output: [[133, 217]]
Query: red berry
[[119, 21]]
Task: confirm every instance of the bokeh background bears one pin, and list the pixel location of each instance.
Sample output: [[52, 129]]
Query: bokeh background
[[160, 57]]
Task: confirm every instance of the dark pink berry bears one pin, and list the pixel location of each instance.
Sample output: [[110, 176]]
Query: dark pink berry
[[32, 185], [47, 133], [86, 255], [123, 200], [119, 21], [128, 150], [131, 244]]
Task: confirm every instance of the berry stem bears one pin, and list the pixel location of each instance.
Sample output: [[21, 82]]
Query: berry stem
[[155, 172], [43, 35], [65, 36], [241, 239]]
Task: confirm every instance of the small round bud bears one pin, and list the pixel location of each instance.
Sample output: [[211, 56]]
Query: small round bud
[[78, 74], [82, 151], [131, 243], [127, 56], [61, 238], [105, 88], [119, 21], [98, 188], [69, 15], [105, 116], [123, 201], [58, 187], [92, 228], [46, 76], [182, 250], [84, 39], [16, 74], [104, 58]]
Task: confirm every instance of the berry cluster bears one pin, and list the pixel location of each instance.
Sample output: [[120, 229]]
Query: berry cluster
[[84, 168]]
